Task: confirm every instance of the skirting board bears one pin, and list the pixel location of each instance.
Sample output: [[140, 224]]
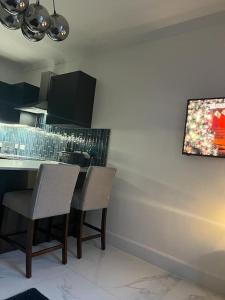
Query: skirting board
[[168, 263]]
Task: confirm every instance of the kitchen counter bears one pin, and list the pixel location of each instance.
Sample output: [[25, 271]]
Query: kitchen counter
[[22, 165], [17, 157], [25, 165]]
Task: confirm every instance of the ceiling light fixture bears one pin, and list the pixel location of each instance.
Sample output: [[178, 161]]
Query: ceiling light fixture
[[59, 27], [33, 19]]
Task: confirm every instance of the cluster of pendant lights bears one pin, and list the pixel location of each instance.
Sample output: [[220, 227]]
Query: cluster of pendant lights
[[33, 20]]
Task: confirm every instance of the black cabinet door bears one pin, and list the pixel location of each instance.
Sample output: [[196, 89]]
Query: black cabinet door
[[7, 111], [15, 95], [71, 99], [8, 114], [24, 93]]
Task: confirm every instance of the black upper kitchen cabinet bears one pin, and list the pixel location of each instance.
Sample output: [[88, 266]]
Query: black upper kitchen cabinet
[[13, 95], [71, 99], [7, 112], [18, 94], [24, 93], [6, 92]]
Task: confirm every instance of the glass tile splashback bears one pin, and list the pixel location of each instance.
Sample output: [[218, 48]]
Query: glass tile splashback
[[47, 142]]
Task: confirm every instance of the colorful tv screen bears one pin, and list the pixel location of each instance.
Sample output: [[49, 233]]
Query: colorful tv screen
[[205, 127]]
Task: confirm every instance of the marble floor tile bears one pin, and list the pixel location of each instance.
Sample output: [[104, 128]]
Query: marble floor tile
[[189, 291], [108, 275], [69, 285], [121, 274], [111, 268], [149, 287]]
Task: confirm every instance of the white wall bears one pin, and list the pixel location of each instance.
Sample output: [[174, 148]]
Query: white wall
[[34, 76], [9, 71], [167, 208]]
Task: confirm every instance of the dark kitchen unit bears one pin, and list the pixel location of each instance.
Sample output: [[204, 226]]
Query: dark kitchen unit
[[71, 99], [53, 121], [65, 99], [12, 95]]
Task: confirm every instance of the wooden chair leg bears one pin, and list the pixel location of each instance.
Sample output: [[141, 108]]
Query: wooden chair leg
[[79, 234], [50, 222], [35, 237], [30, 237], [2, 210], [65, 235], [103, 228], [84, 216]]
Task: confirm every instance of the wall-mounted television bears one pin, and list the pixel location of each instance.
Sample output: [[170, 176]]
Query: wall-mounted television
[[204, 133]]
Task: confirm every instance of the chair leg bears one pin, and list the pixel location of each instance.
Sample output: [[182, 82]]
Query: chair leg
[[50, 222], [79, 234], [65, 235], [103, 228], [2, 210], [84, 216], [30, 237], [35, 237]]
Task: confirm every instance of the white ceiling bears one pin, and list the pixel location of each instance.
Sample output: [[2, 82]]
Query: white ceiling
[[97, 22]]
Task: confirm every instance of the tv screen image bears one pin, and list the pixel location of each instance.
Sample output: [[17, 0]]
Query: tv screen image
[[205, 127]]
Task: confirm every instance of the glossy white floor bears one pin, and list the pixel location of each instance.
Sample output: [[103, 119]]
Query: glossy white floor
[[108, 275]]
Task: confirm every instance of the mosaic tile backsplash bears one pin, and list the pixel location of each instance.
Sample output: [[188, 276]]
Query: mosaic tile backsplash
[[47, 142]]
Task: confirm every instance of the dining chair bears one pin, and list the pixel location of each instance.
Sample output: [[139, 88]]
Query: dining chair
[[95, 195], [51, 196]]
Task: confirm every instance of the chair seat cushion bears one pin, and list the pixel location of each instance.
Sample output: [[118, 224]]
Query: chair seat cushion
[[20, 202]]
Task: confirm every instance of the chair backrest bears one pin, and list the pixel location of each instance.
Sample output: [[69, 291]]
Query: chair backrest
[[97, 188], [53, 190]]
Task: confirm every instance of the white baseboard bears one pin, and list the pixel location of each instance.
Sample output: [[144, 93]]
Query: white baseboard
[[168, 263]]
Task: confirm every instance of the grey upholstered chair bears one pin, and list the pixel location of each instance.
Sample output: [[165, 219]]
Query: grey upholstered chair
[[52, 196], [95, 195]]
